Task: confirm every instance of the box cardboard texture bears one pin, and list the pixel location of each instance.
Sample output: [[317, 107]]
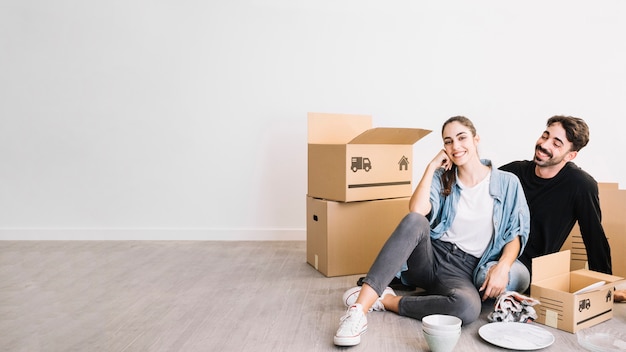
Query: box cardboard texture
[[553, 284], [349, 161], [613, 206], [345, 238]]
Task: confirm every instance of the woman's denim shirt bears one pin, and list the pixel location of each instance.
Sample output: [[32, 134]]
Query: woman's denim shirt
[[511, 216]]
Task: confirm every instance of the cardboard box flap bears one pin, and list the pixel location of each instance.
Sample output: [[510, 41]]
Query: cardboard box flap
[[389, 135], [583, 278], [325, 128], [598, 275], [550, 265]]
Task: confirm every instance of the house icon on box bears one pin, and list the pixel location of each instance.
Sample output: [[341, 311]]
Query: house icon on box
[[403, 163]]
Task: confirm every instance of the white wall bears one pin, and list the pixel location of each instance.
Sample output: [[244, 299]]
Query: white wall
[[187, 119]]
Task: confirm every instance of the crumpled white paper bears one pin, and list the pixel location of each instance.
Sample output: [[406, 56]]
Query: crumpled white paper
[[512, 306]]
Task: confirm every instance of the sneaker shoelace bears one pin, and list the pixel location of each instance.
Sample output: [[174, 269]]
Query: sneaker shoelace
[[351, 324]]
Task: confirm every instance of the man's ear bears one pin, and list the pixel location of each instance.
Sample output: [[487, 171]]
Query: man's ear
[[571, 156]]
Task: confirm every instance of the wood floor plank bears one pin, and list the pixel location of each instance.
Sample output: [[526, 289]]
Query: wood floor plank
[[192, 296]]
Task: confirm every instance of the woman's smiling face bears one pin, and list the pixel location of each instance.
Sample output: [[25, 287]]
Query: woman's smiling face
[[459, 142]]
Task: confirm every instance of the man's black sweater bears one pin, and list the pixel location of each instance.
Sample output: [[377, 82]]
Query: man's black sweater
[[555, 206]]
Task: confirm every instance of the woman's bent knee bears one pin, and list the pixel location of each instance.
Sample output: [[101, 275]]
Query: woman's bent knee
[[415, 224], [469, 306], [413, 228], [470, 314], [415, 219]]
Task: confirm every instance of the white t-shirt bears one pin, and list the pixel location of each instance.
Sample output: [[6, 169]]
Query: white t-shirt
[[472, 228]]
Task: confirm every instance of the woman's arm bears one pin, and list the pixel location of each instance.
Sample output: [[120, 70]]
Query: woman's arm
[[420, 200], [498, 275]]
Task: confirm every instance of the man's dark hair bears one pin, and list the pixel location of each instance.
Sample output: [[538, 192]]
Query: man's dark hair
[[576, 130]]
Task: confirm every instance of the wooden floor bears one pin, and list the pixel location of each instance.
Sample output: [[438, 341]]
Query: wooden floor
[[192, 296]]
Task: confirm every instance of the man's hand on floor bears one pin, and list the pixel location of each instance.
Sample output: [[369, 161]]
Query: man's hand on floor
[[619, 296]]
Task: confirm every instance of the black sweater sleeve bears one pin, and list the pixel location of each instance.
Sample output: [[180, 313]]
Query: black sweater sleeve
[[589, 216]]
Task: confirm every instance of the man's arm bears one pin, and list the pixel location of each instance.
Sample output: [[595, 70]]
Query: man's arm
[[592, 232]]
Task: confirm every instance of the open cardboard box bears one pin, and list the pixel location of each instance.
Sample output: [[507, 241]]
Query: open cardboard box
[[555, 286], [348, 160]]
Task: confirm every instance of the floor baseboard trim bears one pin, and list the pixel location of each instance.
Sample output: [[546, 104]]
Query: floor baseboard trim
[[163, 234]]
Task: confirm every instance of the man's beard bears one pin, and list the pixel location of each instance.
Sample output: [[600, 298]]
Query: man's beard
[[547, 162]]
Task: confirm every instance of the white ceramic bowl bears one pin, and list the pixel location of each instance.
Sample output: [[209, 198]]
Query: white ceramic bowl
[[441, 322], [431, 331], [439, 343]]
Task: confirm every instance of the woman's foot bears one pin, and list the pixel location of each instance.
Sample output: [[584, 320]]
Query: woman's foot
[[350, 296], [353, 325]]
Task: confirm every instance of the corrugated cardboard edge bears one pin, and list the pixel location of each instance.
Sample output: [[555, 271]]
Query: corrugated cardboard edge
[[390, 135], [326, 128]]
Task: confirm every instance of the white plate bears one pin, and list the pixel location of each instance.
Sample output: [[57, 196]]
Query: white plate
[[516, 336], [590, 287]]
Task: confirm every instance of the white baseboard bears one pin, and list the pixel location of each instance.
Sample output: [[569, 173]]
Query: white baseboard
[[158, 234]]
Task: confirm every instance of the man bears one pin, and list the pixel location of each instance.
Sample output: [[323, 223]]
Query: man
[[559, 193]]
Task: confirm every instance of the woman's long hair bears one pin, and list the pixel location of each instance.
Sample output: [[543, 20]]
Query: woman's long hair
[[449, 177]]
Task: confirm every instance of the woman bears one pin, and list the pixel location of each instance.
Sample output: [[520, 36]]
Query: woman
[[468, 223]]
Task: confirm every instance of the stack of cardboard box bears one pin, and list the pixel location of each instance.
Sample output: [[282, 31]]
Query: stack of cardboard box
[[359, 186]]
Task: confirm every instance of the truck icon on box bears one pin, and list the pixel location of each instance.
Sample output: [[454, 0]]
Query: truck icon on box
[[360, 163]]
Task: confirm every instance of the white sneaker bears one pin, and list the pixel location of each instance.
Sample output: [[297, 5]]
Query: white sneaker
[[350, 296], [353, 324]]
